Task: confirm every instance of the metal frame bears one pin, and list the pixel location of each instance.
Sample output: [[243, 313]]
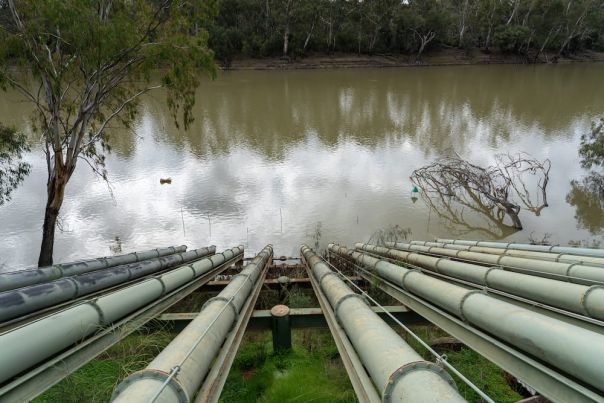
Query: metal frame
[[212, 386], [547, 381], [300, 318], [55, 369], [360, 380]]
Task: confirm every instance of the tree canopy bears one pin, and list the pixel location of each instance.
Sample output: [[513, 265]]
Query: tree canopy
[[12, 169], [258, 28], [84, 64]]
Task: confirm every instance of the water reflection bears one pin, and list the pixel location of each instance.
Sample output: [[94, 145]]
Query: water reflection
[[301, 147], [587, 196]]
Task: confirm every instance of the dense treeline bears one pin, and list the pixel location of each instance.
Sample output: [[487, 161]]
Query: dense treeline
[[291, 28]]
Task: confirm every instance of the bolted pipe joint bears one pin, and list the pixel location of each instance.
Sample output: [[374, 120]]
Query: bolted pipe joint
[[396, 382]]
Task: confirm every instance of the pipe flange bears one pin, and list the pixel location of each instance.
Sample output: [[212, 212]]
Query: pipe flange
[[584, 299], [229, 303], [99, 311], [156, 252], [486, 274], [406, 274], [397, 375], [463, 300], [138, 259], [154, 374]]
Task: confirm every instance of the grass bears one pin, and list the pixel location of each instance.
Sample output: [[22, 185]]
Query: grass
[[310, 372], [487, 376], [94, 382]]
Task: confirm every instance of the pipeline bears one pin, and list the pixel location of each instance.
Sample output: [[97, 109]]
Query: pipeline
[[572, 349], [25, 346], [555, 270], [397, 370], [177, 372], [555, 257], [23, 278], [581, 299], [21, 301], [523, 246]]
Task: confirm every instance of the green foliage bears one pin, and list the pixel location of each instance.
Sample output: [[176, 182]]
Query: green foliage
[[510, 38], [12, 169], [312, 371], [592, 146], [256, 28], [94, 382]]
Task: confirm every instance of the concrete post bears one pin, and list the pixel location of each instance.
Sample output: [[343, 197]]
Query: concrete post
[[282, 333]]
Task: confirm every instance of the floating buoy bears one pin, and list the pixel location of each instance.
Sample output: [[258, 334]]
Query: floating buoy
[[165, 180], [415, 190]]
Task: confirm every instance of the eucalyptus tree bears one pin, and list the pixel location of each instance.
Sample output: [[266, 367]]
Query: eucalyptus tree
[[84, 65]]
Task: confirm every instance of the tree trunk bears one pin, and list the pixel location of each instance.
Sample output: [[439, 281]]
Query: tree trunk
[[56, 192], [286, 40]]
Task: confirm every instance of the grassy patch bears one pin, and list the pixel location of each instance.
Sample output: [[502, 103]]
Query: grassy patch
[[487, 376], [94, 382], [312, 371]]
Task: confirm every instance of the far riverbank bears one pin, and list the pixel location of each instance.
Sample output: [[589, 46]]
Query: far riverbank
[[446, 57]]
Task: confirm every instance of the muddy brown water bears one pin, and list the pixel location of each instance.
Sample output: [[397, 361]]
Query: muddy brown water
[[285, 157]]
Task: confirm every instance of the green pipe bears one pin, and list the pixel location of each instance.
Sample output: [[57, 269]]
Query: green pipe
[[399, 372], [23, 278], [574, 350], [177, 372], [581, 299], [554, 257], [27, 345], [25, 300], [555, 270], [523, 246]]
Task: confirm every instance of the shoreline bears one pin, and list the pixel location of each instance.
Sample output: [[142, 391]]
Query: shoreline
[[449, 57]]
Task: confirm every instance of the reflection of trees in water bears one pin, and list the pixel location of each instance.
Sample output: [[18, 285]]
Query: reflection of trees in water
[[587, 196], [271, 111], [393, 233], [470, 198]]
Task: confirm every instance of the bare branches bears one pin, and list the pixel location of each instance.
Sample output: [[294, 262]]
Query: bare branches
[[453, 186]]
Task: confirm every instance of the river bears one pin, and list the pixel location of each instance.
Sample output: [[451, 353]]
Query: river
[[291, 157]]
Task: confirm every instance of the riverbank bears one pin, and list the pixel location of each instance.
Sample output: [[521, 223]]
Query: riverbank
[[445, 57]]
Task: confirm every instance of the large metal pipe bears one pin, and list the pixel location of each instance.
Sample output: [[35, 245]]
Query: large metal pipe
[[572, 349], [399, 372], [25, 346], [523, 246], [23, 278], [556, 270], [177, 372], [21, 301], [555, 257], [581, 299]]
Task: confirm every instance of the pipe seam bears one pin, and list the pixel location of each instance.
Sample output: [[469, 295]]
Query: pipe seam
[[228, 301], [584, 304], [75, 284], [406, 369], [463, 300], [325, 275], [246, 275], [99, 311], [486, 274], [163, 285], [344, 298], [406, 274]]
